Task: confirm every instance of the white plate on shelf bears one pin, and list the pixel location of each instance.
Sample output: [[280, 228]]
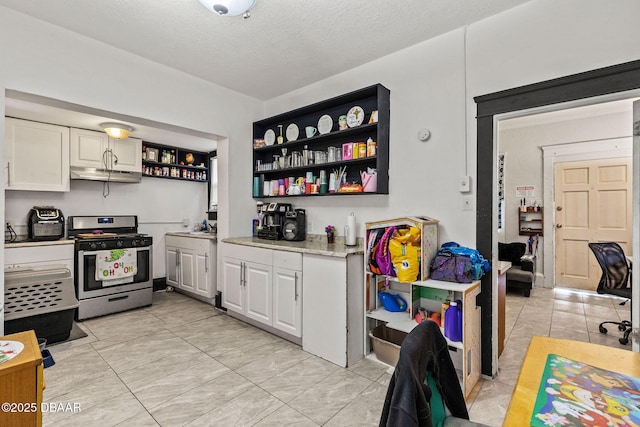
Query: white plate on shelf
[[292, 132], [355, 116], [9, 350], [269, 137], [325, 124]]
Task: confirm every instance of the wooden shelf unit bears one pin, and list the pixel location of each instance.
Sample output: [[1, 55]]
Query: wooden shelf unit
[[372, 98], [531, 221], [428, 294]]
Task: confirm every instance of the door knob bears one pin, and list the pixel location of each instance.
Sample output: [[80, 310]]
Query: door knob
[[559, 208], [558, 225]]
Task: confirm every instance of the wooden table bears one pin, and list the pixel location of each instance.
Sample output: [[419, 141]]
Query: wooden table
[[21, 383], [526, 389]]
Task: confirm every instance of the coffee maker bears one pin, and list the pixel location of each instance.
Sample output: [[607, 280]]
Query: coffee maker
[[273, 216]]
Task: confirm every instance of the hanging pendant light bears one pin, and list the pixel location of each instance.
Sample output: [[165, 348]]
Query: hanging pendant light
[[229, 7], [116, 130]]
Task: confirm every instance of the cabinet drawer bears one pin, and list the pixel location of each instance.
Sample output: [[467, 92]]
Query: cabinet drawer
[[248, 253], [187, 243], [290, 260]]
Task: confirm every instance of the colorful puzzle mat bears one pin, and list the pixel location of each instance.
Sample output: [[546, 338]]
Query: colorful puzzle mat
[[573, 393]]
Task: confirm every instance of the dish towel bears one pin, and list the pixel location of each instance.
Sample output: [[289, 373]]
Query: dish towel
[[116, 265]]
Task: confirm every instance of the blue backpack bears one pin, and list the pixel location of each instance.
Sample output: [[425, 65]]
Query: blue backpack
[[455, 263]]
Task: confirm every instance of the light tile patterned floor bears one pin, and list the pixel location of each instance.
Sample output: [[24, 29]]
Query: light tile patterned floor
[[181, 362]]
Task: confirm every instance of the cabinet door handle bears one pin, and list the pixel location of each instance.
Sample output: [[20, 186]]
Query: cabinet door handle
[[177, 258], [295, 281], [206, 262], [242, 273], [8, 174]]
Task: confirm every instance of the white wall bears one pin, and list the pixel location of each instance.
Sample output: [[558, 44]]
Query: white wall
[[49, 61], [524, 160], [545, 39], [427, 90], [432, 85]]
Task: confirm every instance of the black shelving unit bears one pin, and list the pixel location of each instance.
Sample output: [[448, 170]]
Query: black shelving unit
[[372, 98], [163, 161]]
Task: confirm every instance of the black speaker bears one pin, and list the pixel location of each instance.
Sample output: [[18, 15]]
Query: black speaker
[[295, 225]]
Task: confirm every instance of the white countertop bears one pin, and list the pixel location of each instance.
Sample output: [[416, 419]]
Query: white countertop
[[315, 244], [193, 234], [22, 242]]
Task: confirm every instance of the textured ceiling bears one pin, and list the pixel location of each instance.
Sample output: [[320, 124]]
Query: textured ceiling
[[285, 45]]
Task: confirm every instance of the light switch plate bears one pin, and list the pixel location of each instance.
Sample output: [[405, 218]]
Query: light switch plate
[[464, 184]]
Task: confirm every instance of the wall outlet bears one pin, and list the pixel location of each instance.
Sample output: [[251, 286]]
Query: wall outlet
[[467, 203]]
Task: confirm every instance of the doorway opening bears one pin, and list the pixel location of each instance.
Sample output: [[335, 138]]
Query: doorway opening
[[585, 143], [606, 84]]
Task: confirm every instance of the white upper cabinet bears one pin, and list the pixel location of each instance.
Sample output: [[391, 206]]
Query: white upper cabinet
[[91, 149], [88, 147], [36, 156], [127, 154]]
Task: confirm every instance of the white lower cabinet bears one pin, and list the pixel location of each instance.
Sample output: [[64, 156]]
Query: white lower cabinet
[[332, 313], [232, 284], [191, 265], [258, 289], [264, 285], [287, 300]]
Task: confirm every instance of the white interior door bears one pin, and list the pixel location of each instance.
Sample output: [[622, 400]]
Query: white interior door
[[593, 201], [635, 278]]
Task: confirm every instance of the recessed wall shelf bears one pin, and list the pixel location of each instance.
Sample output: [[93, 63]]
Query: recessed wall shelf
[[163, 161], [283, 153]]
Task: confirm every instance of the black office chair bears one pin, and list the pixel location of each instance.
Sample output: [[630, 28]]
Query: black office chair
[[615, 280]]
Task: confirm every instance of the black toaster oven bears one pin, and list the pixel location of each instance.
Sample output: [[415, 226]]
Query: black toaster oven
[[45, 223]]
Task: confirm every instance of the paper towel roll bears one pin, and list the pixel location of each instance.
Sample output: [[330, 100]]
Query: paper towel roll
[[350, 230]]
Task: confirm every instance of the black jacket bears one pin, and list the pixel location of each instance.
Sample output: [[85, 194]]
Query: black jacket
[[407, 402]]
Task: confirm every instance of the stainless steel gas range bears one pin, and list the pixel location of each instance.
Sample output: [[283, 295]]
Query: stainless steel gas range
[[113, 264]]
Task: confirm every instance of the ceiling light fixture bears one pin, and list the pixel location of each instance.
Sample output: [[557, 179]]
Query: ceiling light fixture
[[230, 7], [117, 130]]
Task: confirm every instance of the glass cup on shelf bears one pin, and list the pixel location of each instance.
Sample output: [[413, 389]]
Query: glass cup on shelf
[[331, 154]]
